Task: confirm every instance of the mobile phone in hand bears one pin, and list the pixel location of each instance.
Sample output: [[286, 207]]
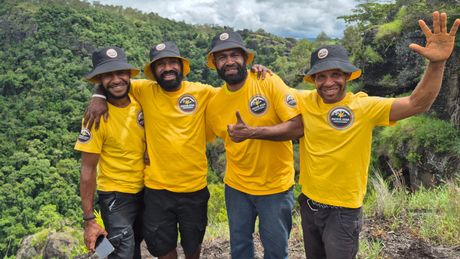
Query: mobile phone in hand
[[103, 247]]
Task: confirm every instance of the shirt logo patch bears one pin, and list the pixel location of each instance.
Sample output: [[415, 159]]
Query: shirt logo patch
[[187, 103], [111, 53], [85, 135], [140, 119], [290, 100], [340, 117], [258, 105]]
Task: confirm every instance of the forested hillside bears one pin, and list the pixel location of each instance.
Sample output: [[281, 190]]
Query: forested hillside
[[46, 49]]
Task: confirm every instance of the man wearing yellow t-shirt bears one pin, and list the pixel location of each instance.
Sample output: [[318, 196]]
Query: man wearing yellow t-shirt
[[259, 173], [335, 150], [176, 194], [113, 158]]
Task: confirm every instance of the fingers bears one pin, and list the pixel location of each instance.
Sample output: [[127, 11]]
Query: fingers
[[426, 30], [443, 22], [436, 22], [454, 28], [106, 116], [239, 120], [97, 121]]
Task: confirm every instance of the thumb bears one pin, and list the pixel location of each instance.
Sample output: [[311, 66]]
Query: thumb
[[417, 48], [239, 120]]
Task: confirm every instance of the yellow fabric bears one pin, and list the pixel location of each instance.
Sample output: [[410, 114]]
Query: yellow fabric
[[256, 167], [176, 134], [121, 145], [334, 162]]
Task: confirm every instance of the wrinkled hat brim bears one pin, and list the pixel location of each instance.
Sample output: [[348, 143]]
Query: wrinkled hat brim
[[225, 46], [166, 54], [110, 67], [346, 67]]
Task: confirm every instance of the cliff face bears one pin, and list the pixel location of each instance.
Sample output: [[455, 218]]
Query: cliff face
[[400, 70], [396, 71]]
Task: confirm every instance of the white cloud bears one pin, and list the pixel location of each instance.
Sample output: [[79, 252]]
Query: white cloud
[[288, 18]]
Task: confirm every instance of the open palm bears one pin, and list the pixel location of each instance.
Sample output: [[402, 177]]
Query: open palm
[[439, 42]]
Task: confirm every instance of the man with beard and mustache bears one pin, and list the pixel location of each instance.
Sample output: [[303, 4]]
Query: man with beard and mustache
[[259, 175], [335, 150], [113, 159], [176, 194]]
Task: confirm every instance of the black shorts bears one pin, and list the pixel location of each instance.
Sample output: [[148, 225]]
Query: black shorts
[[165, 211]]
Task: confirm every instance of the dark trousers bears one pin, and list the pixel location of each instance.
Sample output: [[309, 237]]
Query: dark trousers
[[329, 232], [122, 216]]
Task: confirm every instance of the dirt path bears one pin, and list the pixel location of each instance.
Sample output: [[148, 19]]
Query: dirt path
[[402, 243]]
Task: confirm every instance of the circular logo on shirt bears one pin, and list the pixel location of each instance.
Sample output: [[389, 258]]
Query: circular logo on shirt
[[85, 135], [187, 103], [160, 47], [140, 119], [258, 105], [224, 36], [290, 100], [111, 53], [340, 117], [322, 53]]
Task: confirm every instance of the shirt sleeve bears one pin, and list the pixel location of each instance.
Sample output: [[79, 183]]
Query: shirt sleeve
[[285, 102], [90, 140], [378, 109]]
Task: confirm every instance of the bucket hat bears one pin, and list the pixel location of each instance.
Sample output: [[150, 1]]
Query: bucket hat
[[331, 57], [165, 50], [108, 60], [228, 40]]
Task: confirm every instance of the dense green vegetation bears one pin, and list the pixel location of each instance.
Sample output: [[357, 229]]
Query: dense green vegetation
[[45, 51]]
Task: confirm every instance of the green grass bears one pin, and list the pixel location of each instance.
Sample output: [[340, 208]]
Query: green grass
[[370, 249], [432, 213]]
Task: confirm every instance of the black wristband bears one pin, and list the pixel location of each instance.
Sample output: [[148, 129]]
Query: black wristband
[[89, 218]]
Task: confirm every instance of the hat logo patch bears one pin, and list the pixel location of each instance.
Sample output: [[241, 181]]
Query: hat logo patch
[[340, 117], [322, 53], [290, 100], [187, 103], [85, 135], [140, 119], [224, 36], [258, 105], [160, 47], [111, 53]]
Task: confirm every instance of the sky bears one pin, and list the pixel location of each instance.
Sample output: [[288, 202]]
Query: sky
[[287, 18]]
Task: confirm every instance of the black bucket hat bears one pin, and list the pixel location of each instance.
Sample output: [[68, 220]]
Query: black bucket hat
[[331, 57], [108, 60], [228, 40], [165, 50]]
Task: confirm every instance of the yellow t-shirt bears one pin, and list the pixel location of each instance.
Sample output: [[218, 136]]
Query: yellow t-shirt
[[256, 167], [335, 149], [176, 134], [121, 144]]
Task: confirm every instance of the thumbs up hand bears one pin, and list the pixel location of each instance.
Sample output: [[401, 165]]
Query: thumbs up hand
[[240, 131]]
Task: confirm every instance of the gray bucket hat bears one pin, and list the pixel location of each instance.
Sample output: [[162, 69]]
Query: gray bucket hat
[[108, 60], [228, 40], [331, 57], [165, 50]]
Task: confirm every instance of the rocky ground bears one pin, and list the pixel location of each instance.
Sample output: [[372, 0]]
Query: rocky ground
[[400, 243]]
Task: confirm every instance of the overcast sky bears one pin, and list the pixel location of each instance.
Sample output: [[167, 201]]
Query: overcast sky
[[287, 18]]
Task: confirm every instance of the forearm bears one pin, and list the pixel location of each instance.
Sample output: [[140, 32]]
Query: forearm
[[87, 189], [291, 129], [428, 88]]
